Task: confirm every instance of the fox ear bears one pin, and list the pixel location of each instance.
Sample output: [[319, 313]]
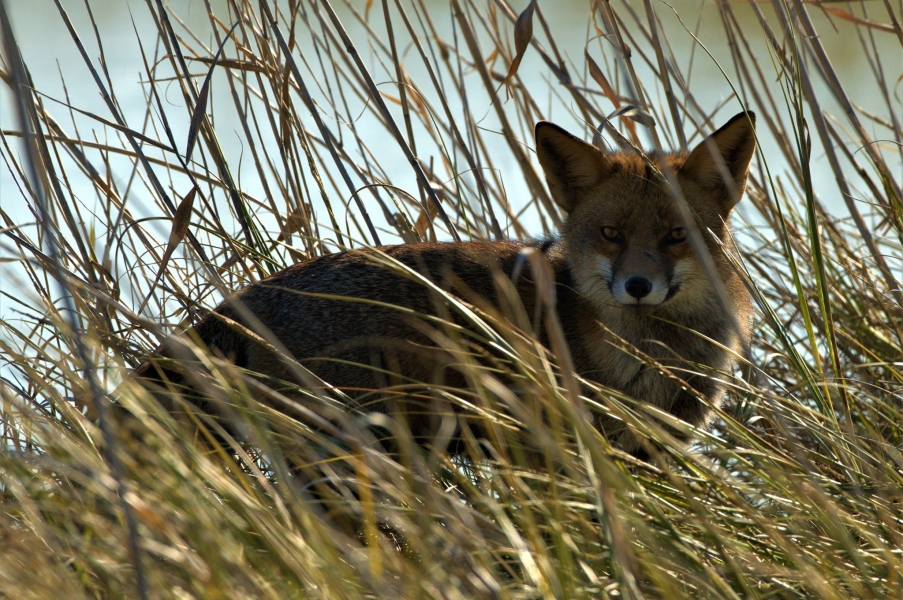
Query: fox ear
[[734, 145], [568, 162]]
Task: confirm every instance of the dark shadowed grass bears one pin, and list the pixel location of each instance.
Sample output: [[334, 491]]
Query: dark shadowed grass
[[282, 132]]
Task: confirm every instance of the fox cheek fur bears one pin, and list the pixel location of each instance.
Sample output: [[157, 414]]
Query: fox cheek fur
[[629, 288]]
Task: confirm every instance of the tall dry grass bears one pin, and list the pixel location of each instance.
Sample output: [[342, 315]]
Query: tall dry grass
[[286, 131]]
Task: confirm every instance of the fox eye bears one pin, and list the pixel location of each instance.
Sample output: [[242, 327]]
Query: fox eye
[[677, 235], [611, 234]]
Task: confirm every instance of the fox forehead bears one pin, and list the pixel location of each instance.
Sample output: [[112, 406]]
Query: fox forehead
[[631, 198]]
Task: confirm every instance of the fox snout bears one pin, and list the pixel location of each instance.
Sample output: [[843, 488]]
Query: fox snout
[[635, 289], [638, 287]]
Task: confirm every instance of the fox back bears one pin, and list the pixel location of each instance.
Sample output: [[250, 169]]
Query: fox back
[[642, 310]]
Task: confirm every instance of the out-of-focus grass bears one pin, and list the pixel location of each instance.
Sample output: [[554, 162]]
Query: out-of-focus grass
[[793, 492]]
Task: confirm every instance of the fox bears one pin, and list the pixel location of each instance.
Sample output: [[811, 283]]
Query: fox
[[631, 291]]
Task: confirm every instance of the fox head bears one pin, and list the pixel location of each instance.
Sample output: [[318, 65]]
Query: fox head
[[624, 237]]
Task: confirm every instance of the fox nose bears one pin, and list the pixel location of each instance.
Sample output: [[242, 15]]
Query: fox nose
[[638, 287]]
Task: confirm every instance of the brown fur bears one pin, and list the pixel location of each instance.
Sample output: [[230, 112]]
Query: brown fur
[[676, 323]]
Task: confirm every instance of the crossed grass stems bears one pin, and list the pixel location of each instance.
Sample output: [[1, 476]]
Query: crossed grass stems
[[794, 490]]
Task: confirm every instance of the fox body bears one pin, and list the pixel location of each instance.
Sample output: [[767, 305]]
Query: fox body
[[629, 288]]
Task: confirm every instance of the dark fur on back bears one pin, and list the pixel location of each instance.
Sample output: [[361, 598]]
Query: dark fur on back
[[365, 328]]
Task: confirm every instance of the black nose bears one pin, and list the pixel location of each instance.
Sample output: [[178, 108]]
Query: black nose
[[638, 287]]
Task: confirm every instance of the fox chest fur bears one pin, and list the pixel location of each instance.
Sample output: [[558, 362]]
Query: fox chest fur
[[642, 309]]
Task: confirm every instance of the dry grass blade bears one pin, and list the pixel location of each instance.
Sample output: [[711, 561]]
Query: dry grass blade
[[523, 33], [180, 223], [200, 108]]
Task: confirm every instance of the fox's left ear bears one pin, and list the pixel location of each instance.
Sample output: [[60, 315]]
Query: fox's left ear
[[733, 145], [570, 164]]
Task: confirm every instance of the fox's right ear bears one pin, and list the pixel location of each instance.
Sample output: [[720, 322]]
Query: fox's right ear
[[568, 162], [733, 146]]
